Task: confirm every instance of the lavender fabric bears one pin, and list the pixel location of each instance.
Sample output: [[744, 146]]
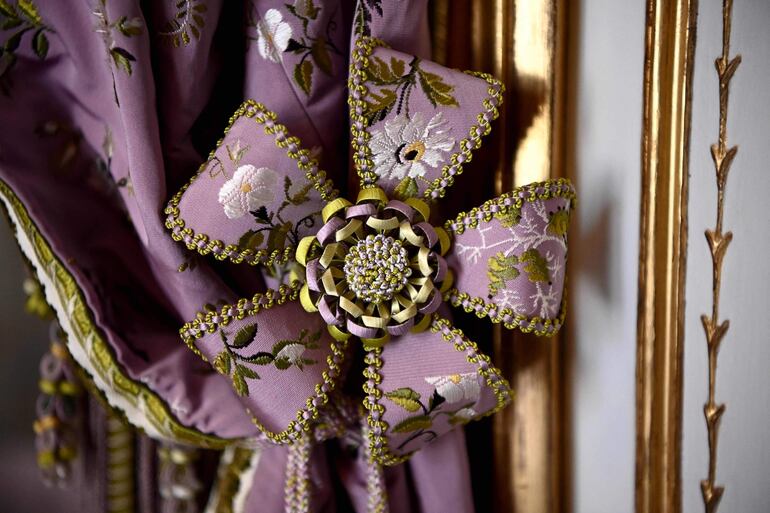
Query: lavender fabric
[[111, 111]]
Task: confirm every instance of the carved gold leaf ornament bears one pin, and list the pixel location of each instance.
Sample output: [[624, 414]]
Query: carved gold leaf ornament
[[718, 241]]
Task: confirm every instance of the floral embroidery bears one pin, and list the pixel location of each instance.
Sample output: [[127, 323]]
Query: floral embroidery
[[455, 389], [364, 15], [273, 35], [277, 228], [403, 147], [247, 190], [22, 17], [120, 58], [187, 20], [313, 49], [398, 86], [284, 354]]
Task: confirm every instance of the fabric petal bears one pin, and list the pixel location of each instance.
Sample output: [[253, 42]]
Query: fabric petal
[[247, 341], [509, 257], [406, 410], [404, 98], [218, 211]]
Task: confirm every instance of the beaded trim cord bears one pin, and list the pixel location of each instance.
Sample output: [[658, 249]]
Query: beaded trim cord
[[203, 243]]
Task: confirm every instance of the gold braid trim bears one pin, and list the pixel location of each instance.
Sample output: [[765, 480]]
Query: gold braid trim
[[87, 343]]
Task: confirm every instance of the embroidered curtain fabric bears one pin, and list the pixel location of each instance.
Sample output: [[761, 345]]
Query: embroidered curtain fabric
[[109, 109]]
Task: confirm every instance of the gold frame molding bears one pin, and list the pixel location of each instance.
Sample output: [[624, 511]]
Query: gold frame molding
[[670, 34], [522, 43]]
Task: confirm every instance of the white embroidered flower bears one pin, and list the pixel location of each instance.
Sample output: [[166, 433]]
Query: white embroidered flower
[[464, 415], [273, 35], [247, 190], [292, 353], [457, 388], [404, 147]]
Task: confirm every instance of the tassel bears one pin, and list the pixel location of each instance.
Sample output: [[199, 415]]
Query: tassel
[[178, 482], [58, 412]]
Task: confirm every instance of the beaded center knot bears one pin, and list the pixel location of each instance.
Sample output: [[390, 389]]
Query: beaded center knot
[[377, 268]]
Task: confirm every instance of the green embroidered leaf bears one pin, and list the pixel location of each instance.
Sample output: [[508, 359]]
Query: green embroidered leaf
[[435, 401], [405, 397], [261, 216], [295, 46], [10, 23], [209, 307], [407, 188], [245, 335], [7, 60], [7, 9], [280, 345], [535, 266], [558, 223], [437, 91], [239, 383], [12, 43], [261, 358], [413, 424], [276, 239], [246, 372], [251, 240], [30, 11], [397, 67], [379, 103], [501, 268], [129, 28], [222, 363], [509, 218], [282, 363], [383, 74], [321, 55], [303, 75], [122, 58]]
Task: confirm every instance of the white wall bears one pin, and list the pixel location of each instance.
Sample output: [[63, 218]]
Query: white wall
[[603, 317], [743, 377]]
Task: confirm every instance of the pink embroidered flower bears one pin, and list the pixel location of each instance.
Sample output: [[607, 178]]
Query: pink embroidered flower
[[273, 35], [247, 190]]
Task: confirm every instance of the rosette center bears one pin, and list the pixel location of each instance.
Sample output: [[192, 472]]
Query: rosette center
[[377, 268]]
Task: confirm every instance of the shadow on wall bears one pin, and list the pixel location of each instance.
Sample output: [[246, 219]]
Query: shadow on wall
[[24, 341]]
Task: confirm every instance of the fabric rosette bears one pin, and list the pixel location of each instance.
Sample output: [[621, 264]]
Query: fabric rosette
[[378, 270]]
